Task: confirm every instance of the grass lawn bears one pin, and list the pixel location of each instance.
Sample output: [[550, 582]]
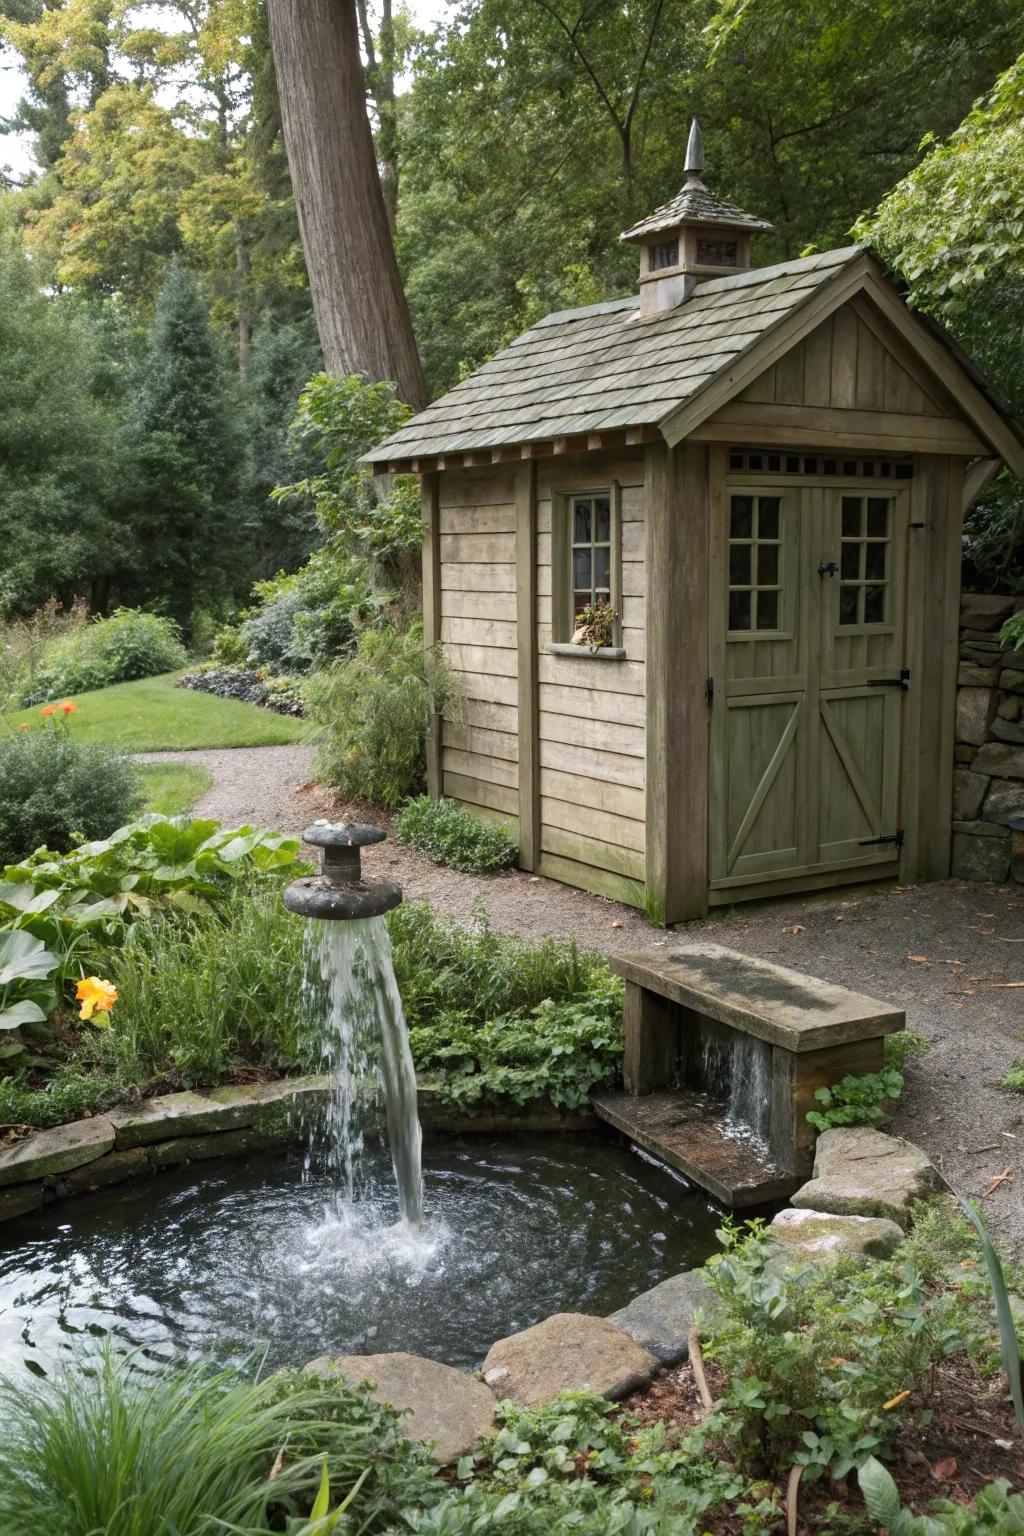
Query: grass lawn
[[172, 789], [155, 716]]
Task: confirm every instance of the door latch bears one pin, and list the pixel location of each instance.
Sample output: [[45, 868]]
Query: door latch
[[896, 838], [827, 568], [903, 681]]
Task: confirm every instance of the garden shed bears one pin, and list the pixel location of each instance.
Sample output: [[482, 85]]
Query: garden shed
[[760, 475]]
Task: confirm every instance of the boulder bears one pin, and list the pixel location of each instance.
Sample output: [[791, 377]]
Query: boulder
[[1000, 761], [862, 1172], [1011, 680], [981, 611], [659, 1320], [1005, 799], [975, 708], [968, 793], [977, 855], [568, 1352], [19, 1199], [47, 1152], [822, 1238], [448, 1409]]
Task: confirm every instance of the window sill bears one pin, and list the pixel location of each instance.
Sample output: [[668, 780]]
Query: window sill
[[603, 652]]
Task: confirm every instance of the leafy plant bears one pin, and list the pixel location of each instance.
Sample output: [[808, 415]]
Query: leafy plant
[[1009, 1344], [595, 626], [25, 961], [1012, 632], [374, 712], [1014, 1079], [863, 1099], [127, 645], [68, 1095], [56, 792], [450, 835]]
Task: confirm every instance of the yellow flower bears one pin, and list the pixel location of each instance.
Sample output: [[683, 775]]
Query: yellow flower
[[95, 996]]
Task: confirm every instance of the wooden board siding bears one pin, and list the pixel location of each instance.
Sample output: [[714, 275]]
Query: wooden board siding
[[476, 522], [592, 711]]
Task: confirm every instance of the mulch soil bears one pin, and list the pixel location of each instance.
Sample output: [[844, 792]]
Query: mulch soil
[[971, 1440]]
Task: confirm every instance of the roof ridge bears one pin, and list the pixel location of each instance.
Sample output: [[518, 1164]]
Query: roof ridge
[[754, 275], [605, 307]]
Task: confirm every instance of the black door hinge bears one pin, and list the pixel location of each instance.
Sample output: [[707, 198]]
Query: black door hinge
[[896, 838], [709, 691], [903, 681]]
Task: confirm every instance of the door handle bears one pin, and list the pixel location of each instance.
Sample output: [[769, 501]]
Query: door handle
[[828, 568]]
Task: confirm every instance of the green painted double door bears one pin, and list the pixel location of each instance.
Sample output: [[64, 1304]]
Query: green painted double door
[[808, 620]]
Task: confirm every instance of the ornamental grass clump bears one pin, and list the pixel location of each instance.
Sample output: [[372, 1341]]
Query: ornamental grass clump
[[57, 792], [448, 834]]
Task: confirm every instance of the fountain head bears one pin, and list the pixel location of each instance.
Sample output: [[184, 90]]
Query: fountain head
[[338, 893]]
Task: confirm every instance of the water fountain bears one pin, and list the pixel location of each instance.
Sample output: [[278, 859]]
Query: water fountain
[[366, 1047]]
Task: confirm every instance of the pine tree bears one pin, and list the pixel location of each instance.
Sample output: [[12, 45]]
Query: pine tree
[[284, 358], [187, 459]]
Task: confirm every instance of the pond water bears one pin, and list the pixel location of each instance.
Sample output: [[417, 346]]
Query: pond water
[[230, 1258]]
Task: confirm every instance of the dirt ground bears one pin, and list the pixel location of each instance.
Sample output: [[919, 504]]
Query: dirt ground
[[951, 954]]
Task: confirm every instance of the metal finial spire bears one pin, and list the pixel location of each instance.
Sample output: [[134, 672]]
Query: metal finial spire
[[694, 150]]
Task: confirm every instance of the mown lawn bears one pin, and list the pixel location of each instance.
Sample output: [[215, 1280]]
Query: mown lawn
[[172, 789], [154, 715]]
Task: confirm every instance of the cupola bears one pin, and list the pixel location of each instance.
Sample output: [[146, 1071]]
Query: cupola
[[694, 235]]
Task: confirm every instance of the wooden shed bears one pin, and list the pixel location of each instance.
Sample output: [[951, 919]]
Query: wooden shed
[[763, 473]]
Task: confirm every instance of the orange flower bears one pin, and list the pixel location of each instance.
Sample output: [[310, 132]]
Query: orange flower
[[68, 708], [48, 710], [23, 726], [95, 996]]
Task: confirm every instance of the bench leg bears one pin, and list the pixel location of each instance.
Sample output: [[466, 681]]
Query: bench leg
[[796, 1079], [651, 1031]]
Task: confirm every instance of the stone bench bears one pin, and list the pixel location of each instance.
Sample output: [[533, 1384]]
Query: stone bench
[[686, 1008]]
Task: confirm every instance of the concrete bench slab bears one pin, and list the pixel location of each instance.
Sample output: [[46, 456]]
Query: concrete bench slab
[[771, 1002]]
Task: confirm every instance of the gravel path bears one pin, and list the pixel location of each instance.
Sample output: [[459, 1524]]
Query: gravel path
[[948, 953]]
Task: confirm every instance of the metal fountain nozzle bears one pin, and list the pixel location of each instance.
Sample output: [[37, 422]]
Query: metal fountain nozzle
[[338, 893]]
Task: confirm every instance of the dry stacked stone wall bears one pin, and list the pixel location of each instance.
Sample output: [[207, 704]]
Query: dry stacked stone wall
[[988, 785]]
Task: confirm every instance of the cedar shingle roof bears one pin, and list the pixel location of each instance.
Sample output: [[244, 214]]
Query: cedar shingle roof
[[694, 204], [600, 368]]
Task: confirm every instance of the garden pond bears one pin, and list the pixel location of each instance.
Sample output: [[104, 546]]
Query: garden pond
[[235, 1257]]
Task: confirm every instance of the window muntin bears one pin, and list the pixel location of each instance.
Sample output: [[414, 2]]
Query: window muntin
[[865, 560], [755, 563], [590, 526], [783, 462]]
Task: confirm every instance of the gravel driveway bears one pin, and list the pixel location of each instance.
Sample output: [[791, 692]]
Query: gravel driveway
[[951, 954]]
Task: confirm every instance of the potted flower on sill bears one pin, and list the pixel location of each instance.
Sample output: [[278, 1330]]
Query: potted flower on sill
[[595, 627]]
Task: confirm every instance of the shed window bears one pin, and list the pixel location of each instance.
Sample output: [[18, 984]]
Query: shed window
[[718, 253], [664, 254], [586, 557], [755, 578], [864, 561]]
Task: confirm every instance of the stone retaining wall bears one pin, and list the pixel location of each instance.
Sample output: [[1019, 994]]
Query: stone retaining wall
[[123, 1143], [988, 784]]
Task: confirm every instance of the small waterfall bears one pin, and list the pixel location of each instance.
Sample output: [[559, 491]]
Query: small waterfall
[[351, 978], [738, 1070]]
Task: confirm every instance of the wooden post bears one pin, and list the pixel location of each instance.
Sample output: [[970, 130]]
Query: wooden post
[[430, 498], [528, 692], [677, 558], [650, 1025]]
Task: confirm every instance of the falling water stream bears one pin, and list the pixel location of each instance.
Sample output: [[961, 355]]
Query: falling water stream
[[366, 1052], [738, 1070]]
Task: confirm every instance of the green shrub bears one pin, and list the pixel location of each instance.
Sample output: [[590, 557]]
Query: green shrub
[[450, 835], [68, 1095], [374, 712], [473, 974], [58, 792], [865, 1099], [127, 645]]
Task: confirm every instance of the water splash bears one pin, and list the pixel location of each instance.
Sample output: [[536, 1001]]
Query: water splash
[[365, 1049], [738, 1071]]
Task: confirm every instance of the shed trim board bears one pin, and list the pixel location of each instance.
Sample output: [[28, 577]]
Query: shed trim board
[[777, 712]]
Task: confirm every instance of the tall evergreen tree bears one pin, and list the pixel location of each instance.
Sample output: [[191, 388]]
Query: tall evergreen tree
[[185, 445], [284, 357]]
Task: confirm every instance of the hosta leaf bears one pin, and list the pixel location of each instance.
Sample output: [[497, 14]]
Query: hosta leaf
[[23, 956], [25, 1012], [881, 1495]]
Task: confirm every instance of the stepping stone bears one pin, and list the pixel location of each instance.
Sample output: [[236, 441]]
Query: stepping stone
[[659, 1320], [862, 1172], [446, 1408], [46, 1152], [821, 1238], [568, 1352]]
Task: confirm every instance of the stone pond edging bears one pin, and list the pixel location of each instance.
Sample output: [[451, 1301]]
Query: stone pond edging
[[109, 1147]]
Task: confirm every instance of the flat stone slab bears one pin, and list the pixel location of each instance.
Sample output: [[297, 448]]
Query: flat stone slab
[[862, 1172], [447, 1408], [112, 1168], [659, 1320], [771, 1002], [19, 1199], [55, 1151], [224, 1109], [199, 1149], [822, 1238], [569, 1352]]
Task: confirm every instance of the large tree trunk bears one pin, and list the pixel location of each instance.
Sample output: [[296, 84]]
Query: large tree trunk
[[358, 297]]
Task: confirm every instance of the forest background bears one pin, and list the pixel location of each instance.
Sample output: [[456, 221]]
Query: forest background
[[156, 327]]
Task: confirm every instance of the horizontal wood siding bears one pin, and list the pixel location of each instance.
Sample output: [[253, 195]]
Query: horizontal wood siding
[[480, 740], [592, 711]]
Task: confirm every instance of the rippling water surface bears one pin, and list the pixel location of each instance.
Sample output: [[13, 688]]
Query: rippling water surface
[[226, 1258]]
